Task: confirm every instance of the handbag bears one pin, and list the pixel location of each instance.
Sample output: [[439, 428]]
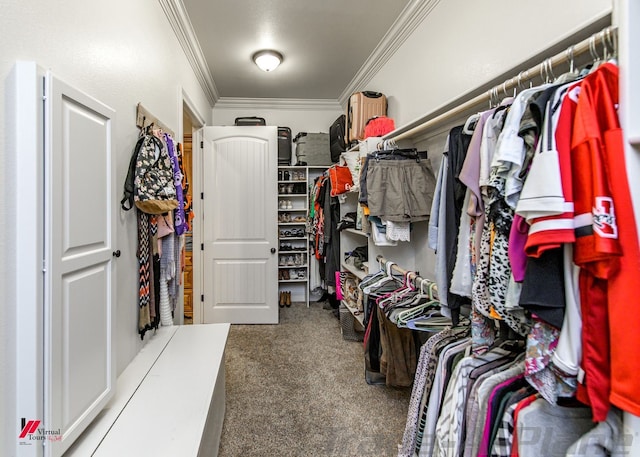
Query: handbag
[[341, 180]]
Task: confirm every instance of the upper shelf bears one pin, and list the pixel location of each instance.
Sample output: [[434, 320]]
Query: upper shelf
[[356, 232]]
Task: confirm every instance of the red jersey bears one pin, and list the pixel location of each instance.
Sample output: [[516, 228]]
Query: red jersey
[[606, 248]]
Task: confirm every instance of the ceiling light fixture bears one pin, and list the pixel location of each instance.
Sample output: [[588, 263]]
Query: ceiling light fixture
[[267, 60]]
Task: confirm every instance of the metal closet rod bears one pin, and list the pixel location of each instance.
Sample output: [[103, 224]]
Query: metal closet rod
[[607, 37]]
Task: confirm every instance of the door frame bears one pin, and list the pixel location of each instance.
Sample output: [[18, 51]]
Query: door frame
[[25, 288], [198, 121]]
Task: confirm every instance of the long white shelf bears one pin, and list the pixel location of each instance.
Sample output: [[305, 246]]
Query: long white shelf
[[356, 232], [352, 269]]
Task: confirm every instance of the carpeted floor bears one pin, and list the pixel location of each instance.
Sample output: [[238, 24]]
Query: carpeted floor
[[297, 389]]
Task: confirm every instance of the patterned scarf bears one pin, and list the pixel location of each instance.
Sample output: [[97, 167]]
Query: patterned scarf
[[144, 265]]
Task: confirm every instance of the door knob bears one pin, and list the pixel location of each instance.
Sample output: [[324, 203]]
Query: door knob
[[273, 250], [116, 253]]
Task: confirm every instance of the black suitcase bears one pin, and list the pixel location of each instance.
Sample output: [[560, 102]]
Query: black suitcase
[[337, 144], [250, 120], [284, 146]]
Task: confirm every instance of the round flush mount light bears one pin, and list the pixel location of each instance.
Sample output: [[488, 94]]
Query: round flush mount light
[[267, 60]]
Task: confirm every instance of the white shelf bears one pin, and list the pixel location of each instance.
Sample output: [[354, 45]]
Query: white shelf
[[356, 232], [294, 238], [292, 223], [291, 195], [352, 269]]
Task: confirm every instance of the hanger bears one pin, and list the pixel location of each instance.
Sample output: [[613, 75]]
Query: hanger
[[392, 299], [410, 153], [572, 74], [470, 124], [388, 277], [594, 54]]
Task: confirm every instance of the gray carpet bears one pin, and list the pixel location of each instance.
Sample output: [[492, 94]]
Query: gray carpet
[[297, 389]]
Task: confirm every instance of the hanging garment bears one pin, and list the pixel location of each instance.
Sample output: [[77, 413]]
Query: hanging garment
[[448, 360], [549, 430], [179, 217], [144, 277], [425, 373], [400, 190], [604, 440]]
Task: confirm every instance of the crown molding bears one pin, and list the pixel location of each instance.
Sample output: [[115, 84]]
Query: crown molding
[[410, 18], [182, 27], [279, 104]]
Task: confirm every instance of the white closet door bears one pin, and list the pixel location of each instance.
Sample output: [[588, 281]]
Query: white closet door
[[79, 279], [240, 214]]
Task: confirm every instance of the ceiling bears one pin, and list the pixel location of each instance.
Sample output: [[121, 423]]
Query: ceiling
[[324, 42]]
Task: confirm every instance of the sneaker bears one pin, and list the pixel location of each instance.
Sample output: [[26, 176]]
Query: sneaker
[[293, 274], [289, 205]]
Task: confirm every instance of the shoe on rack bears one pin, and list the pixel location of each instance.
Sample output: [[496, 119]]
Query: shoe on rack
[[285, 275], [282, 204], [288, 299], [293, 274], [289, 205]]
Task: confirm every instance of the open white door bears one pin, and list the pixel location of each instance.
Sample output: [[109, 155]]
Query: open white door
[[239, 225], [79, 273]]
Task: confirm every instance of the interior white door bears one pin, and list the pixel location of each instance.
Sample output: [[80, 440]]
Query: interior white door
[[239, 225], [79, 272]]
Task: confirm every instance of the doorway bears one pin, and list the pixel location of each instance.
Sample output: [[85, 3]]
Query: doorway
[[190, 123]]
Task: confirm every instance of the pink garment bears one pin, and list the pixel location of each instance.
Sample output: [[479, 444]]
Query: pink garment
[[517, 240]]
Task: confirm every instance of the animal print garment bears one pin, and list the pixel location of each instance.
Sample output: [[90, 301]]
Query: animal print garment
[[493, 272]]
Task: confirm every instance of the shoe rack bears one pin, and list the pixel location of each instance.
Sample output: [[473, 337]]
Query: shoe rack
[[293, 252]]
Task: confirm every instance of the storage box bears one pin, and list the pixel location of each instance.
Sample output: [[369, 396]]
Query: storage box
[[350, 327]]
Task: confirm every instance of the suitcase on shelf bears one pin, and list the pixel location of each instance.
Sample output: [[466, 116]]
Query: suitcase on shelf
[[336, 138], [284, 146], [250, 120], [361, 107], [312, 149]]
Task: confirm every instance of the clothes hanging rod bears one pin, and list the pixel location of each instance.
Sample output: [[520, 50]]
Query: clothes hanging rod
[[607, 38], [415, 276]]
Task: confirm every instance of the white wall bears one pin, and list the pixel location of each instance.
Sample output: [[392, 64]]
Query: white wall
[[463, 45], [121, 52], [300, 115], [462, 49]]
